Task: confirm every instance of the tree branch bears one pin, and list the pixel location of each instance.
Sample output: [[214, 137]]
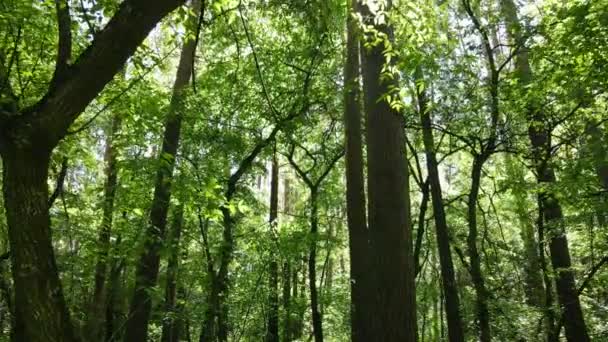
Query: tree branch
[[95, 67], [64, 50], [60, 180]]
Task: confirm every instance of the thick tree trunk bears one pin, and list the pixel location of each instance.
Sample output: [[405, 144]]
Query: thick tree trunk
[[392, 317], [27, 139], [567, 293], [358, 236], [40, 310], [94, 327], [317, 324], [272, 330], [540, 139], [147, 267], [171, 323], [481, 301], [452, 301]]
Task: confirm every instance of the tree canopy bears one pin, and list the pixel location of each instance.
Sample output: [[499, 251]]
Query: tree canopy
[[298, 170]]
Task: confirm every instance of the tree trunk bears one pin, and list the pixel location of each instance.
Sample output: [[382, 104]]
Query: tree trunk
[[392, 316], [549, 314], [147, 267], [113, 306], [209, 327], [40, 311], [27, 138], [452, 301], [287, 322], [567, 293], [272, 332], [539, 133], [317, 324], [171, 326], [94, 327], [287, 273], [481, 301], [358, 237]]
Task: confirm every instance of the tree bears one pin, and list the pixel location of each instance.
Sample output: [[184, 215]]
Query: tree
[[28, 138], [355, 186], [314, 188], [147, 267], [452, 301], [393, 314], [539, 133]]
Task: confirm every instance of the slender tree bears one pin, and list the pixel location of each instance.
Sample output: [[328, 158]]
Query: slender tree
[[452, 301], [314, 187], [94, 328], [355, 188], [147, 267], [539, 133], [272, 329], [171, 324]]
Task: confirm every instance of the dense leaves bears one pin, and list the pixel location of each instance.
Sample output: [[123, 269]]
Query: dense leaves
[[515, 103]]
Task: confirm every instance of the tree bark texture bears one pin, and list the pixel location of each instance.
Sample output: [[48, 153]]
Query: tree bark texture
[[358, 236], [392, 314]]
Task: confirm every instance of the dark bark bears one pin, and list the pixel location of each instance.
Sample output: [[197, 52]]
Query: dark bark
[[424, 204], [40, 310], [313, 187], [549, 314], [272, 327], [539, 132], [27, 138], [452, 301], [94, 326], [287, 322], [114, 307], [171, 323], [488, 147], [63, 171], [6, 296], [392, 314], [317, 325], [358, 237], [147, 268], [481, 300]]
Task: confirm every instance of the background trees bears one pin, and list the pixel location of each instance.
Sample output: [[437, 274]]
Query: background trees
[[492, 111]]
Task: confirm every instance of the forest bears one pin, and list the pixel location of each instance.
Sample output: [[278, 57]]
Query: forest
[[304, 170]]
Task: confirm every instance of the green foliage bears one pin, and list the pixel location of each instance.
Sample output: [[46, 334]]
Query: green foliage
[[261, 62]]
